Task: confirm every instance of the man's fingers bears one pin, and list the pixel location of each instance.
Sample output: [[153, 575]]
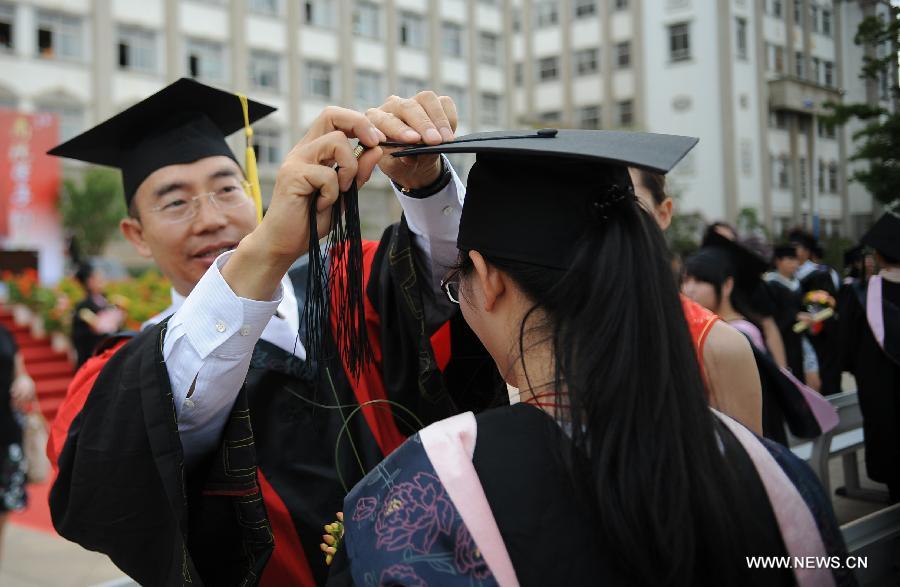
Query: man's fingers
[[349, 122], [366, 165], [333, 148], [435, 111], [394, 128], [414, 115], [450, 109]]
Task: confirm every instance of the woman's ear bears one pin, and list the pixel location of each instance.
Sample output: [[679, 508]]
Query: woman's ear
[[489, 279], [727, 288], [664, 213]]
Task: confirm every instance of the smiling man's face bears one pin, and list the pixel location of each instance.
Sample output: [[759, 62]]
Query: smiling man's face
[[185, 249]]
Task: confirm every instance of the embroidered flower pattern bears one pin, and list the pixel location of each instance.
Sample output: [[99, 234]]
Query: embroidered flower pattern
[[413, 515], [398, 575], [468, 557], [365, 507]]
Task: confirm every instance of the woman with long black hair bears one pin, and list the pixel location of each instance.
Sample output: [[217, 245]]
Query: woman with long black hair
[[611, 469]]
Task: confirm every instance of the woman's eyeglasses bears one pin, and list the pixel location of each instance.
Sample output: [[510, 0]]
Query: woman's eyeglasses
[[450, 285]]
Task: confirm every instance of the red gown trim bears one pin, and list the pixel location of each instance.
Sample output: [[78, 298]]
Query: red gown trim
[[288, 564], [700, 322]]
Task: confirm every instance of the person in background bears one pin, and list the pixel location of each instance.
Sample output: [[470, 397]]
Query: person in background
[[814, 277], [759, 300], [16, 396], [94, 317], [870, 350], [726, 359], [859, 265], [785, 291]]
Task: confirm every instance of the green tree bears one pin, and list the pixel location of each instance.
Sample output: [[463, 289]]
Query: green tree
[[91, 209], [879, 138]]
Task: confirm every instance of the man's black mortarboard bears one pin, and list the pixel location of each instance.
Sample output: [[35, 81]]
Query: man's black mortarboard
[[748, 265], [182, 123], [531, 195], [785, 250], [884, 236]]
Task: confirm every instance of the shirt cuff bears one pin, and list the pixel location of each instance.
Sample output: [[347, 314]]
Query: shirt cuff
[[218, 321], [436, 216]]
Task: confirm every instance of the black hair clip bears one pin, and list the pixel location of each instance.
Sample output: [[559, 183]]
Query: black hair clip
[[612, 197]]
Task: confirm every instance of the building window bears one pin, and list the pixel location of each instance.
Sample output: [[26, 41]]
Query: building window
[[267, 7], [826, 22], [679, 42], [798, 64], [206, 60], [452, 39], [546, 13], [137, 49], [7, 24], [59, 35], [822, 176], [490, 108], [623, 55], [519, 74], [587, 61], [621, 4], [318, 13], [740, 32], [367, 20], [776, 8], [801, 177], [833, 177], [268, 146], [550, 116], [825, 130], [585, 8], [625, 112], [489, 49], [409, 86], [784, 172], [815, 66], [798, 12], [265, 70], [589, 117], [368, 89], [814, 18], [71, 118], [828, 68], [776, 58], [458, 95], [779, 119], [319, 80], [548, 68], [516, 18], [412, 30]]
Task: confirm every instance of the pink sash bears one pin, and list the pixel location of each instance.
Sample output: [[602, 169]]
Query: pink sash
[[874, 310], [450, 445], [798, 527]]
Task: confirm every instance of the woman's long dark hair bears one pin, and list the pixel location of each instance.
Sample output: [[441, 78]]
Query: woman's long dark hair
[[713, 266], [625, 367]]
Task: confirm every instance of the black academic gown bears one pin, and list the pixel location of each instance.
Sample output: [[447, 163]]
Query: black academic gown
[[826, 341], [877, 373], [254, 510], [786, 307]]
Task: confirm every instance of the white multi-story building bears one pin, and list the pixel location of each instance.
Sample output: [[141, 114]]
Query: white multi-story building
[[749, 77], [85, 60]]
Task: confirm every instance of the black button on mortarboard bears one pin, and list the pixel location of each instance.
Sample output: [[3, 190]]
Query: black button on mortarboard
[[547, 132]]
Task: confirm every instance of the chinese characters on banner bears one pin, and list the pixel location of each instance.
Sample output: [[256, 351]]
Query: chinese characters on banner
[[29, 187]]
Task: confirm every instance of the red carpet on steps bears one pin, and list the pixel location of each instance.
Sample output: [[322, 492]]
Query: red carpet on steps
[[51, 372]]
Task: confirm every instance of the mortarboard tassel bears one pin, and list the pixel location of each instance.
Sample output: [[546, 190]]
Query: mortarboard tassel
[[337, 286], [252, 172]]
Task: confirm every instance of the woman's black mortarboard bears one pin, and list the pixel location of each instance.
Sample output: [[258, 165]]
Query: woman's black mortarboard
[[854, 255], [531, 195], [884, 236], [748, 265], [803, 238], [182, 123]]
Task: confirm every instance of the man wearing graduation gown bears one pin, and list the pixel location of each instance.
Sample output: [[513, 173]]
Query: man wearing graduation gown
[[870, 345], [207, 449], [812, 277]]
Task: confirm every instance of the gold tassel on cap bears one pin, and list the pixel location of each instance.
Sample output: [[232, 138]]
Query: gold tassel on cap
[[252, 172]]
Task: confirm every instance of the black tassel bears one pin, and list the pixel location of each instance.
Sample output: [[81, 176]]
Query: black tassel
[[337, 286]]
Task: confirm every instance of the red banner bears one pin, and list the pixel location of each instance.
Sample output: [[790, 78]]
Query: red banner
[[29, 187]]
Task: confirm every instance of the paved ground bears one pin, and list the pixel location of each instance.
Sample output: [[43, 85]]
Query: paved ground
[[34, 557]]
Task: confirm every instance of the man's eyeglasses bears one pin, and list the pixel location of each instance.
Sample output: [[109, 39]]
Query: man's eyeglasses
[[179, 207], [450, 285]]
